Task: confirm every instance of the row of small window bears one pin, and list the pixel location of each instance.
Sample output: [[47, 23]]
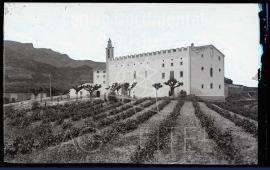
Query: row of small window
[[181, 63], [162, 74], [103, 71], [172, 74], [103, 76], [211, 86], [211, 71], [211, 54], [129, 64]]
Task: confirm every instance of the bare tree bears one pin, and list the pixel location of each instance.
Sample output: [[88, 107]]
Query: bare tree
[[35, 91], [77, 89], [173, 83], [157, 86], [91, 89], [131, 87]]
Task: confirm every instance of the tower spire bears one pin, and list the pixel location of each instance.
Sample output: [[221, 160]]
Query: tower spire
[[109, 43]]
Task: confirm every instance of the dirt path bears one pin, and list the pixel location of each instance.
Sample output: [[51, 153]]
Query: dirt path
[[244, 142], [120, 150], [186, 144]]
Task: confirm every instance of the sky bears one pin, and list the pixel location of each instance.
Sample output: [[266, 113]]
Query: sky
[[81, 30]]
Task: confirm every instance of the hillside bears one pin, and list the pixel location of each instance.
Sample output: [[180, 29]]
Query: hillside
[[26, 67]]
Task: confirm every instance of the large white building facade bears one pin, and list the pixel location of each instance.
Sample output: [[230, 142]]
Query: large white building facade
[[199, 68]]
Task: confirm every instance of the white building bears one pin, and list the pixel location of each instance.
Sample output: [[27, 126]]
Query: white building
[[100, 78], [199, 68], [81, 94]]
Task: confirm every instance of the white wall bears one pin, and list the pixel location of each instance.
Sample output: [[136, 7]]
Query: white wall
[[99, 77], [122, 70], [199, 77], [81, 93]]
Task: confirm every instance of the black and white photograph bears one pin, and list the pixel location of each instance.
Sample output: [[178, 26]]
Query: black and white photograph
[[131, 83]]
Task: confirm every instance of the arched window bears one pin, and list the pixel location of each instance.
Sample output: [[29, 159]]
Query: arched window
[[211, 72], [211, 85]]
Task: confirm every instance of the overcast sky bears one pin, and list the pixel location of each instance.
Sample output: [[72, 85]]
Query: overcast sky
[[82, 30]]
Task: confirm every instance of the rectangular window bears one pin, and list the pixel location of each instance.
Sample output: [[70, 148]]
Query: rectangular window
[[181, 73], [104, 71], [171, 64], [145, 73], [171, 74], [134, 75], [163, 64], [103, 76], [181, 63], [97, 71], [97, 76], [211, 52], [219, 86], [211, 85], [202, 86], [104, 82], [163, 75]]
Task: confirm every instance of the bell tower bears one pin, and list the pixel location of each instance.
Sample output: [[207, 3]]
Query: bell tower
[[109, 50], [109, 55]]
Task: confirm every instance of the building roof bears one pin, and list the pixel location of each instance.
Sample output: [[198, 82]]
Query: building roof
[[172, 49], [100, 68], [206, 46]]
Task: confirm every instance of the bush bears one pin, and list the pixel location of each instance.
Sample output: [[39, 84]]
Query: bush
[[89, 123], [223, 140], [112, 97], [35, 105], [76, 117], [238, 109], [183, 94], [163, 131], [59, 121], [247, 125], [66, 125]]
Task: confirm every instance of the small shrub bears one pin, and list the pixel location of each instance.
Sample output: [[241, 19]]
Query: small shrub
[[183, 94], [35, 105], [59, 121], [76, 117], [66, 125], [112, 97]]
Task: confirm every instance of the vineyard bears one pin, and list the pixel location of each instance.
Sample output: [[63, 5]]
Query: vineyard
[[142, 131]]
